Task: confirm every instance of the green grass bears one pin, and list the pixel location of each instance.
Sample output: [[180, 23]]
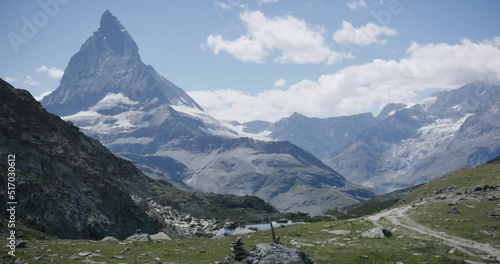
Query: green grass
[[464, 178], [472, 223], [353, 250]]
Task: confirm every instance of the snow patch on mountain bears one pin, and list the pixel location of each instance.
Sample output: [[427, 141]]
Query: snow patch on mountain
[[214, 126], [263, 136], [112, 100], [91, 120]]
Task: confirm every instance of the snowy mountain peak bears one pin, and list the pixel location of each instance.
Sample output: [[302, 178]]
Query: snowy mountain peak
[[109, 63]]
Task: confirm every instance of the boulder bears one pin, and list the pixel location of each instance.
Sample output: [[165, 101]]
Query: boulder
[[495, 213], [377, 232], [138, 238], [269, 253], [109, 238], [230, 225], [277, 254], [21, 244], [454, 211], [159, 237]]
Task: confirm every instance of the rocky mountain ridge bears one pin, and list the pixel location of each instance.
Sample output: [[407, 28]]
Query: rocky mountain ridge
[[320, 136]]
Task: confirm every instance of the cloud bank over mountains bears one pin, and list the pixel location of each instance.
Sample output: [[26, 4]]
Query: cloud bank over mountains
[[365, 87]]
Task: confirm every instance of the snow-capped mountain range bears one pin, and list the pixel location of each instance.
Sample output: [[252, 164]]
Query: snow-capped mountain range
[[405, 144], [447, 131], [112, 96]]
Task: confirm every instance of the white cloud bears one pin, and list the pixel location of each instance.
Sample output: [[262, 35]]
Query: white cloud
[[10, 79], [29, 81], [268, 1], [42, 95], [292, 39], [223, 6], [365, 87], [364, 35], [52, 72], [280, 82], [356, 4]]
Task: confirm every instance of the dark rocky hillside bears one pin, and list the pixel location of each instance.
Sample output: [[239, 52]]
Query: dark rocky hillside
[[71, 186]]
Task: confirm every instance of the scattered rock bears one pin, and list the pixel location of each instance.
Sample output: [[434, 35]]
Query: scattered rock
[[181, 224], [340, 232], [300, 244], [138, 238], [254, 229], [452, 250], [454, 211], [125, 250], [109, 238], [159, 237], [282, 221], [492, 198], [21, 244], [495, 213], [230, 225], [377, 232], [200, 232], [441, 197], [88, 254], [118, 257]]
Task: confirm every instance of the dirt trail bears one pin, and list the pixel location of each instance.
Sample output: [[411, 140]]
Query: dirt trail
[[398, 217]]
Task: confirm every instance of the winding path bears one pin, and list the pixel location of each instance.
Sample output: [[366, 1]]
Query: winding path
[[399, 217]]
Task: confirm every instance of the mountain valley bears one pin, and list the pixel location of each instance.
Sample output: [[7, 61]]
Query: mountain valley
[[112, 96]]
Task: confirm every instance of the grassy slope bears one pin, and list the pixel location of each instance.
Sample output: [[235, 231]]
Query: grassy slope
[[473, 222], [355, 250]]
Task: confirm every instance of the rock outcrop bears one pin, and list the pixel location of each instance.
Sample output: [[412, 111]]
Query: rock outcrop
[[266, 253], [377, 232], [67, 184]]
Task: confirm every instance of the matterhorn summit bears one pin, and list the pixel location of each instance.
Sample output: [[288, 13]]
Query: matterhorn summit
[[108, 63]]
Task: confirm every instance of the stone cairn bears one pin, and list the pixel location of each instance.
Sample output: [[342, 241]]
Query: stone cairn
[[238, 250]]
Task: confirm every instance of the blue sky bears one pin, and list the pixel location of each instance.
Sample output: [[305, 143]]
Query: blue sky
[[265, 59]]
